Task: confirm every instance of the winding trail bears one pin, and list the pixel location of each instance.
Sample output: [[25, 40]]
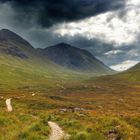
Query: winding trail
[[57, 133], [9, 105]]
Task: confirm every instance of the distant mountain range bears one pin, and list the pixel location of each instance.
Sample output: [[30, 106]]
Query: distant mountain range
[[62, 55], [23, 66]]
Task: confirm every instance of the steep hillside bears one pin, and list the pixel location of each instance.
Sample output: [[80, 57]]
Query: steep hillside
[[13, 45], [22, 66], [75, 58]]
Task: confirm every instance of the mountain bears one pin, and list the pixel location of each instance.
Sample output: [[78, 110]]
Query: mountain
[[22, 66], [74, 58], [6, 35], [13, 45]]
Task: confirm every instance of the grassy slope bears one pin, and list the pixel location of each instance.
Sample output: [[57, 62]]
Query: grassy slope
[[34, 71], [132, 74], [16, 73], [111, 102]]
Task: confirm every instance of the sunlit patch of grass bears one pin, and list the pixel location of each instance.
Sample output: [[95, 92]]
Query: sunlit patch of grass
[[36, 131], [99, 128]]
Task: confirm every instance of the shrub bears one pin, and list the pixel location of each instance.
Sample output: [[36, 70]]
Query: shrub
[[3, 121], [35, 127], [89, 130], [81, 136], [23, 135]]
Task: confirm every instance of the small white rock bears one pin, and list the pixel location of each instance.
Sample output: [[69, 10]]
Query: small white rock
[[8, 104]]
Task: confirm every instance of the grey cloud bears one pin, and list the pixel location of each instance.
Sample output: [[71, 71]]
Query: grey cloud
[[50, 12], [34, 27]]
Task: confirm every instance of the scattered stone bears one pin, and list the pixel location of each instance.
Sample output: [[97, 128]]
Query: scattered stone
[[101, 107], [113, 135], [121, 100], [33, 94], [71, 109], [8, 104], [67, 137], [2, 97], [78, 109], [63, 110]]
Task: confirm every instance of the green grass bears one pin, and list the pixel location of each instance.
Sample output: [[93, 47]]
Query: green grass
[[29, 120], [28, 124], [33, 73], [111, 103]]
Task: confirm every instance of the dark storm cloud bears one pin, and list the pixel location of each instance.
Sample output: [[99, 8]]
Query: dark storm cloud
[[50, 12], [37, 20]]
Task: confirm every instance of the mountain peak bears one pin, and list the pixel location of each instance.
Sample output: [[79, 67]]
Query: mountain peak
[[5, 30], [74, 58], [62, 44], [6, 34]]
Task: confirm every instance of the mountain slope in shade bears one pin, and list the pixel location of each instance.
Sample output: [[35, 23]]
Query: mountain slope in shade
[[12, 44], [74, 58], [71, 58], [22, 66], [6, 35]]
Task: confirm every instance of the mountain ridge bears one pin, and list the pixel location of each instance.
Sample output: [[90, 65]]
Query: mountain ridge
[[74, 58], [67, 56], [6, 34]]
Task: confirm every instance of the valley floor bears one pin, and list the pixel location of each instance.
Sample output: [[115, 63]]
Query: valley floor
[[89, 110]]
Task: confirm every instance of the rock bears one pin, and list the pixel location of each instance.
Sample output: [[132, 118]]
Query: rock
[[63, 110], [8, 104], [33, 94]]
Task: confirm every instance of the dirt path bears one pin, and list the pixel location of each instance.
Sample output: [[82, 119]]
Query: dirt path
[[56, 132], [9, 105]]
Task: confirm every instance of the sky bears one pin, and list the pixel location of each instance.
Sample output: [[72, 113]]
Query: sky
[[109, 29]]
